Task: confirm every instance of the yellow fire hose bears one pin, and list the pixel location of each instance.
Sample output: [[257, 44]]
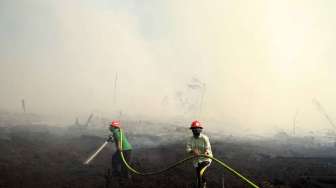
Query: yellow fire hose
[[182, 161]]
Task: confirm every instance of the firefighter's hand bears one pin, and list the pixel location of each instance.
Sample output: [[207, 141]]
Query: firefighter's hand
[[110, 138], [196, 152]]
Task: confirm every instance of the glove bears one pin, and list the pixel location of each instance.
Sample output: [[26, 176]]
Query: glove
[[110, 138]]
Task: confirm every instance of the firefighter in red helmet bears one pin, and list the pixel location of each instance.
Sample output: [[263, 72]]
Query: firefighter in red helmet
[[196, 145], [118, 167]]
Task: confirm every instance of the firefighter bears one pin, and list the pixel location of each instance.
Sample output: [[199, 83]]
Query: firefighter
[[196, 145], [118, 166]]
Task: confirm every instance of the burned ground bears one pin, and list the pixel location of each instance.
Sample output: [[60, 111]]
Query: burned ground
[[31, 158]]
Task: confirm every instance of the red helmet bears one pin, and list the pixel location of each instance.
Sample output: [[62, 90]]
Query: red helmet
[[115, 124], [196, 124]]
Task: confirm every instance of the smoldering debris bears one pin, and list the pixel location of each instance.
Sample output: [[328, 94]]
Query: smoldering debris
[[54, 158]]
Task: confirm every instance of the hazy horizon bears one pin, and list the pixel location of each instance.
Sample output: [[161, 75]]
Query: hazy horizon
[[255, 64]]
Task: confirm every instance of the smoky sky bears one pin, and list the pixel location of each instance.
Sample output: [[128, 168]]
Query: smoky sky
[[252, 64]]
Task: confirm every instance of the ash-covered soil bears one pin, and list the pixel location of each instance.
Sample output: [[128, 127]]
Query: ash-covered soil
[[40, 158]]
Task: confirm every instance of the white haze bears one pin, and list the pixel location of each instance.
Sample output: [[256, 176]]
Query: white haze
[[261, 61]]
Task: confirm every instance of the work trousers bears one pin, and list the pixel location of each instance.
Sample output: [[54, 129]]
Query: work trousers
[[200, 174], [118, 166]]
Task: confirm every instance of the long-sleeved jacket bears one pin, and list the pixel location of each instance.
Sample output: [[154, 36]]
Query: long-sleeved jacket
[[201, 143]]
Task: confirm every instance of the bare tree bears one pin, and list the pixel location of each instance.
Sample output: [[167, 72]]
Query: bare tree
[[294, 121], [23, 105], [323, 112]]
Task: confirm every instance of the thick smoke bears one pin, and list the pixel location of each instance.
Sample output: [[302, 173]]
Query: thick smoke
[[255, 63]]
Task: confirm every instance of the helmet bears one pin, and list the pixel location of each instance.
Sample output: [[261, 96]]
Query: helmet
[[196, 124], [115, 124]]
